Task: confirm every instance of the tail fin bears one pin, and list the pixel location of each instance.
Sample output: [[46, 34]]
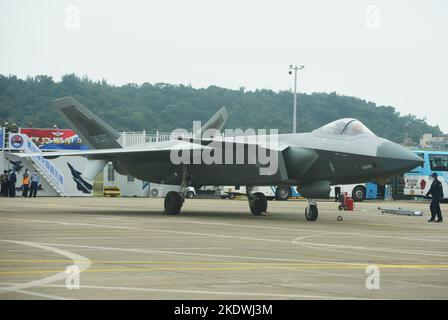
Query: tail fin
[[92, 130], [217, 121]]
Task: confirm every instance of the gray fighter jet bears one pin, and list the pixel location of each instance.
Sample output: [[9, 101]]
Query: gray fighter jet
[[341, 152]]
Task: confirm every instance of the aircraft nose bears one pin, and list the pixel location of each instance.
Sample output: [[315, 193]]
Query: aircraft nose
[[395, 157]]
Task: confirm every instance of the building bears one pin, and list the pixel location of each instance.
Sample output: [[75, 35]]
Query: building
[[428, 141]]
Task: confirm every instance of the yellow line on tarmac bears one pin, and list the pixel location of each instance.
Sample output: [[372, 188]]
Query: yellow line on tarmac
[[255, 266]]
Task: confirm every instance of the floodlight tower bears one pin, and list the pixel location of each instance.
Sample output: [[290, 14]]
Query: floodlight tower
[[294, 120]]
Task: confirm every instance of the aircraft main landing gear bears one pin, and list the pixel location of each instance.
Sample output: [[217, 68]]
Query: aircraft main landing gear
[[257, 202], [173, 203], [311, 212], [175, 200]]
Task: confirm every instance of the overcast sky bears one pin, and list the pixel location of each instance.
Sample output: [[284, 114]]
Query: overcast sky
[[390, 52]]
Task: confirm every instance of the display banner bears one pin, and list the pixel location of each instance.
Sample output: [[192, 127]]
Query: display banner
[[2, 138], [51, 139]]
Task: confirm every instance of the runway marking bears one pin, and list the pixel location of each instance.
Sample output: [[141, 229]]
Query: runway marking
[[298, 241], [231, 237], [155, 230], [312, 245], [258, 266], [413, 252], [38, 294], [206, 292], [61, 275], [182, 253], [411, 238]]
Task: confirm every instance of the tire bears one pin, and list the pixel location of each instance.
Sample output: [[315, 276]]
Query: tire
[[282, 193], [311, 213], [359, 193], [231, 196], [190, 195], [258, 204], [173, 203], [264, 201]]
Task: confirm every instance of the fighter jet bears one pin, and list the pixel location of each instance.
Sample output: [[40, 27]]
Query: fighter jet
[[81, 184], [341, 152]]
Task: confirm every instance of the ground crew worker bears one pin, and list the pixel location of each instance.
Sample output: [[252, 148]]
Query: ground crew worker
[[436, 191], [337, 194], [34, 184], [25, 183]]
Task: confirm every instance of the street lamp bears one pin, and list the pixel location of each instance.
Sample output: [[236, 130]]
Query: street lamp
[[294, 120]]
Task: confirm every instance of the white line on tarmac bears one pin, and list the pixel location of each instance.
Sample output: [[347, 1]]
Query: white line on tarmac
[[196, 254], [37, 294], [81, 262], [413, 252], [312, 245], [298, 241], [206, 292]]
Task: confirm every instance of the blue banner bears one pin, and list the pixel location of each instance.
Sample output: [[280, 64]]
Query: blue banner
[[2, 138]]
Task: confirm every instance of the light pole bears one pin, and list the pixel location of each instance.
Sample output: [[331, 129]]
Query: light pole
[[294, 120]]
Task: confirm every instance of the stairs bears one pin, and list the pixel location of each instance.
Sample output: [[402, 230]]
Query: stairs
[[47, 177], [46, 169]]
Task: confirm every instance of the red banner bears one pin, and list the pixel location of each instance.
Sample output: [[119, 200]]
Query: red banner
[[54, 138]]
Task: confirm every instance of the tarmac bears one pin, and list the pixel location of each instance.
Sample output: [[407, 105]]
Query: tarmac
[[126, 248]]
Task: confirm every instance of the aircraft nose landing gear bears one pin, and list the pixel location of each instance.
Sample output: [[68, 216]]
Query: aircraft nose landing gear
[[311, 212]]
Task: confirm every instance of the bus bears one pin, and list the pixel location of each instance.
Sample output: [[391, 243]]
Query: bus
[[418, 181]]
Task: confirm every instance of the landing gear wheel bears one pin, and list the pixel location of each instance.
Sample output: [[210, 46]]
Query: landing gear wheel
[[258, 204], [341, 207], [311, 212], [339, 218], [282, 193], [173, 203], [256, 207], [264, 201], [190, 195], [359, 193]]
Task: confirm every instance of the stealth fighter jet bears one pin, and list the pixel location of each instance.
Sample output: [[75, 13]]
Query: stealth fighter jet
[[341, 152]]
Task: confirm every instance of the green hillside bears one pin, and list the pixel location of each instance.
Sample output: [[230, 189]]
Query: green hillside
[[164, 107]]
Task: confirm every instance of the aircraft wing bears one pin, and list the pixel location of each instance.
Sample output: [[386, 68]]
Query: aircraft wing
[[142, 151]]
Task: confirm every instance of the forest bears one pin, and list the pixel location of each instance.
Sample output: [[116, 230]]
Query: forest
[[164, 107]]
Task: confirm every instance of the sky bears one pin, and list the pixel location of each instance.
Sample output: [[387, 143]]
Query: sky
[[391, 52]]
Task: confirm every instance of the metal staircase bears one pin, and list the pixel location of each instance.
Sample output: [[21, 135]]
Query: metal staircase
[[47, 177], [46, 169]]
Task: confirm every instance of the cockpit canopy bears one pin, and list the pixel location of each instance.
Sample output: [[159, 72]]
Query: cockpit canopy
[[347, 126]]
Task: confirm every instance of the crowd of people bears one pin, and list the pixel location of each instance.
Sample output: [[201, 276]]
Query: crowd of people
[[29, 187]]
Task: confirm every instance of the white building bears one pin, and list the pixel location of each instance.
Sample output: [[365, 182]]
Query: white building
[[428, 141]]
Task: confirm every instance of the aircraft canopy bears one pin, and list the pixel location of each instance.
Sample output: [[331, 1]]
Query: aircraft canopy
[[347, 126]]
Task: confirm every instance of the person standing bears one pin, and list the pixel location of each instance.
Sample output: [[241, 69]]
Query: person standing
[[7, 182], [25, 183], [3, 177], [34, 184], [337, 194], [436, 191], [12, 183]]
